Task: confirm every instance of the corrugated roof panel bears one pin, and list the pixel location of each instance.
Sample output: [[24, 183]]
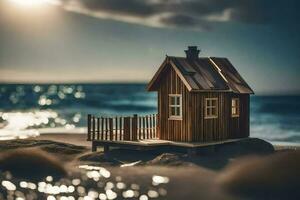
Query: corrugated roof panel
[[187, 67], [184, 63], [211, 74], [205, 74], [186, 74], [201, 81], [201, 77], [235, 81], [191, 82]]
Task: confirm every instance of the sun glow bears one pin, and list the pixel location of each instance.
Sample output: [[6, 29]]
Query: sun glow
[[28, 3]]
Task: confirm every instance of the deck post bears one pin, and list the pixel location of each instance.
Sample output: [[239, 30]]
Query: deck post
[[191, 152], [121, 125], [111, 129], [147, 127], [144, 127], [127, 128], [102, 128], [140, 128], [154, 125], [150, 127], [98, 128], [116, 128], [89, 127], [106, 149], [106, 129], [94, 147], [157, 124], [94, 128], [134, 127]]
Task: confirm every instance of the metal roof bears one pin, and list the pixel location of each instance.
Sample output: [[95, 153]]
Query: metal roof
[[204, 74]]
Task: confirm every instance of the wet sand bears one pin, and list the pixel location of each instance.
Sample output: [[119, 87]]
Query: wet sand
[[76, 139]]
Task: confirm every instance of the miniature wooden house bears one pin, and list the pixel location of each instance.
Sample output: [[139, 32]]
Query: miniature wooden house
[[200, 99]]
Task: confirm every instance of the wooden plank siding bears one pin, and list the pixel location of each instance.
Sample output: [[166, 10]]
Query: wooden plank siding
[[240, 125], [194, 127], [175, 130]]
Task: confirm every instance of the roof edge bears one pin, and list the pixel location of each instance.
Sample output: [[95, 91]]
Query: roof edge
[[149, 86], [161, 68]]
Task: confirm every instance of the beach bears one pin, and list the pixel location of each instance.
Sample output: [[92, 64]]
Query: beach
[[211, 176], [71, 138]]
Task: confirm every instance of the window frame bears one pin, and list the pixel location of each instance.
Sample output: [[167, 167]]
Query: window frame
[[175, 105], [237, 107], [210, 107]]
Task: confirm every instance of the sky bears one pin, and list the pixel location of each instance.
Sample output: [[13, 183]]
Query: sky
[[55, 41]]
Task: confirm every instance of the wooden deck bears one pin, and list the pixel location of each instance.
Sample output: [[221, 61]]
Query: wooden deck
[[160, 145], [139, 133]]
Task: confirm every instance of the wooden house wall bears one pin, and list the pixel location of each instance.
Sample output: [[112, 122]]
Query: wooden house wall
[[239, 126], [175, 130], [224, 126], [210, 129], [193, 126]]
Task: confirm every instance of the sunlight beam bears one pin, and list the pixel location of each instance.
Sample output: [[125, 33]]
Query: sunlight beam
[[29, 3]]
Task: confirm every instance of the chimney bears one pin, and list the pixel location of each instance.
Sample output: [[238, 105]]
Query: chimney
[[192, 52]]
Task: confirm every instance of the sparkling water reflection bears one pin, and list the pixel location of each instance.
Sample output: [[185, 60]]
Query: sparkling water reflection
[[93, 182], [23, 125], [28, 110]]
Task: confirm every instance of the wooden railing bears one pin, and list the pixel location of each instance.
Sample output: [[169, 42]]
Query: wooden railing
[[122, 128]]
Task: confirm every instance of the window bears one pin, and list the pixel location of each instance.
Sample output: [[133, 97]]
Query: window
[[175, 104], [235, 107], [211, 108]]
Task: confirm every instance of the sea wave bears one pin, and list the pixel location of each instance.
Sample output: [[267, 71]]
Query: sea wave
[[30, 109]]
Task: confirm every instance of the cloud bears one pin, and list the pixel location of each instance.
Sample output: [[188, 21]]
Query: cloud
[[196, 14]]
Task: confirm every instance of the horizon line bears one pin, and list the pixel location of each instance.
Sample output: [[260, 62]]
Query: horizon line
[[258, 93], [73, 82]]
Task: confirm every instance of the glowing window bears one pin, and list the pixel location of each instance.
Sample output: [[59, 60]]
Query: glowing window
[[175, 106], [211, 108], [235, 107]]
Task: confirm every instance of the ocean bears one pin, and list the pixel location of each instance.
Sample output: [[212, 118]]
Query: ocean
[[31, 109]]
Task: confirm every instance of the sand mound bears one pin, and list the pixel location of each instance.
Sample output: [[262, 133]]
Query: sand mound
[[167, 159], [217, 157], [31, 164], [99, 157], [47, 145], [248, 146], [267, 177]]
